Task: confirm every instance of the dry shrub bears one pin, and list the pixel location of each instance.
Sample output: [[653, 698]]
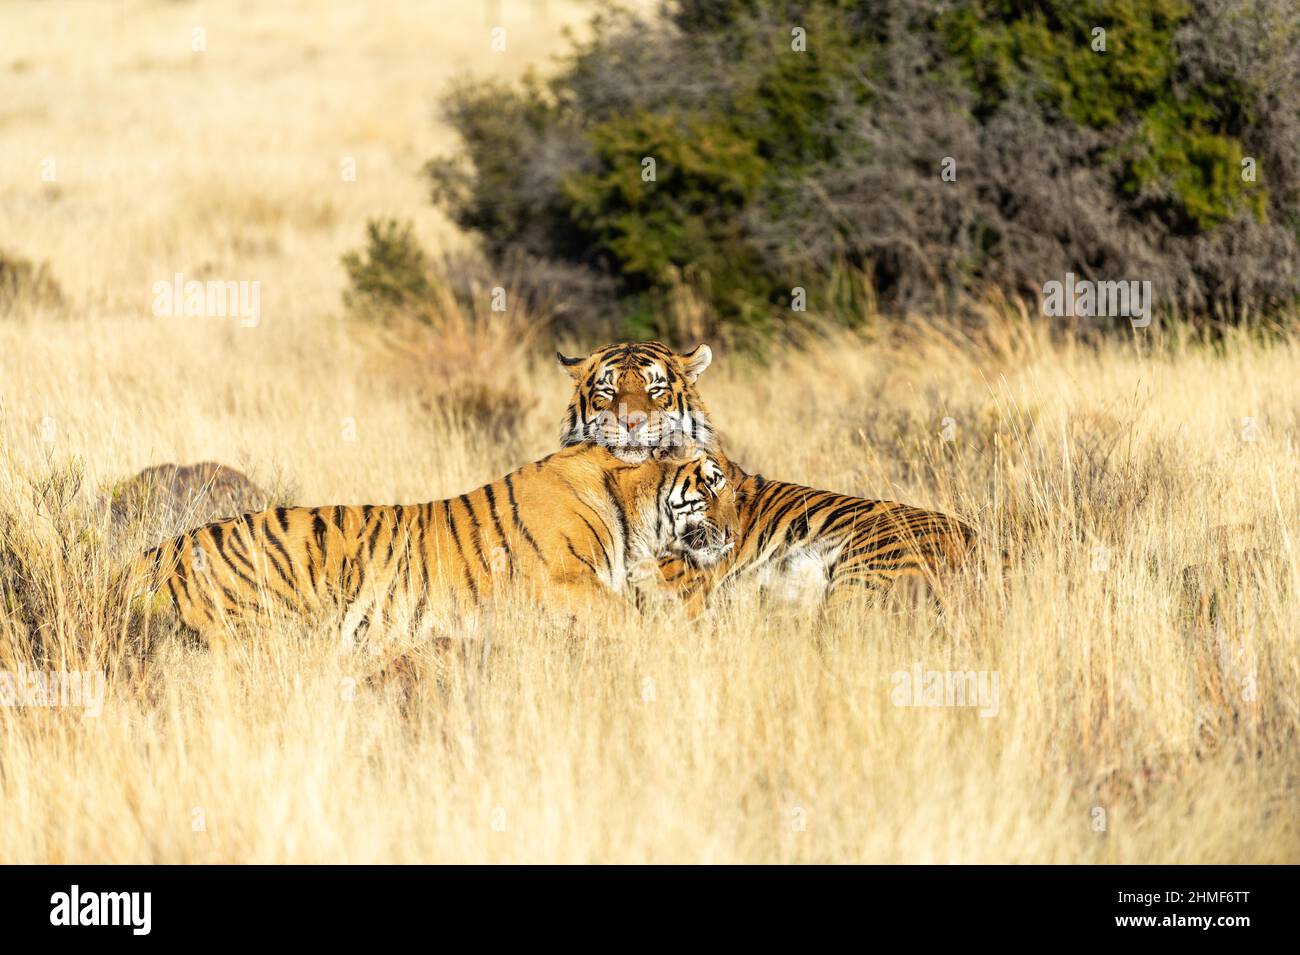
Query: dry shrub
[[26, 285], [460, 344], [459, 335], [60, 607], [63, 548], [464, 361]]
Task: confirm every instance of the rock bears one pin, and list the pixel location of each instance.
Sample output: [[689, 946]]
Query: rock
[[170, 498]]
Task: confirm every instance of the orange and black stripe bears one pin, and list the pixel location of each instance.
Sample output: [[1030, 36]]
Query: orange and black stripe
[[569, 527]]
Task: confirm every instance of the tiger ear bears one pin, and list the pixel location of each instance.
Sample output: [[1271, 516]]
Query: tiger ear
[[694, 363], [571, 365]]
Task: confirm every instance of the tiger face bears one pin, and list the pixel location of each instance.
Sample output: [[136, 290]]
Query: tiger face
[[700, 503], [635, 397]]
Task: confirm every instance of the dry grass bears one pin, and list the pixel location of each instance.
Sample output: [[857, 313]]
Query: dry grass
[[753, 735], [229, 161]]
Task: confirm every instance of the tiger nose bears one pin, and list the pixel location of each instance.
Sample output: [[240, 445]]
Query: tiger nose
[[635, 420]]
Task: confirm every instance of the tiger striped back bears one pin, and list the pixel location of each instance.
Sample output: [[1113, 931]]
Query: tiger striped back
[[570, 528]]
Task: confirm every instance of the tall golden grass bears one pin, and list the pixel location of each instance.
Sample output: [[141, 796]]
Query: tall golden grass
[[1131, 724]]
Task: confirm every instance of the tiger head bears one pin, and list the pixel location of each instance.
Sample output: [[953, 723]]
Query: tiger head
[[699, 505], [635, 397]]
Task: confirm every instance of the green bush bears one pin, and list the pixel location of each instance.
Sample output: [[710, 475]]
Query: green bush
[[778, 168], [391, 271], [1189, 143]]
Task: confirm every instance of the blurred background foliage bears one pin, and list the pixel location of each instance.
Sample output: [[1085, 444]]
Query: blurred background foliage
[[820, 168]]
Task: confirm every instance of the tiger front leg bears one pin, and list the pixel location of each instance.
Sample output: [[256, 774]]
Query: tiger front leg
[[688, 585], [574, 589]]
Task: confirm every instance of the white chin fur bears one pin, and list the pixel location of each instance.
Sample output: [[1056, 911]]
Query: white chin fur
[[707, 558], [630, 455]]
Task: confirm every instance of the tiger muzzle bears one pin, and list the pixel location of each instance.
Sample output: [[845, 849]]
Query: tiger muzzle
[[707, 541]]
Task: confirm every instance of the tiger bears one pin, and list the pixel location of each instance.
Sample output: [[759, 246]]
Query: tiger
[[634, 397], [792, 537], [576, 528]]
